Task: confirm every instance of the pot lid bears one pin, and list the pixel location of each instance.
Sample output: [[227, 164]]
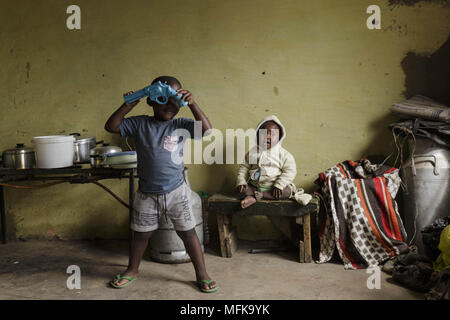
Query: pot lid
[[118, 154], [85, 138], [105, 148], [19, 149]]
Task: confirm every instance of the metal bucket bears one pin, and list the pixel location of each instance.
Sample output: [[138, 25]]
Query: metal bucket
[[427, 177], [165, 245]]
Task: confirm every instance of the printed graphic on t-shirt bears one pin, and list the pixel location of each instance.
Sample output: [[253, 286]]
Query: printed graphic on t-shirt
[[170, 143]]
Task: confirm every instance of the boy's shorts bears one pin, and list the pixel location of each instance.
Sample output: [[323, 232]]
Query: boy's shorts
[[148, 208]]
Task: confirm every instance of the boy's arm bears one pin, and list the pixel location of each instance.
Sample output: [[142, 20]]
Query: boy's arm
[[199, 115], [113, 123], [289, 171], [242, 175]]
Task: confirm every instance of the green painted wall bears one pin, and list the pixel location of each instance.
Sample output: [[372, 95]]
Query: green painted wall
[[313, 63]]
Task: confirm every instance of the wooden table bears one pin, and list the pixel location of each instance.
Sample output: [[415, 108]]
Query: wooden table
[[74, 175], [224, 206]]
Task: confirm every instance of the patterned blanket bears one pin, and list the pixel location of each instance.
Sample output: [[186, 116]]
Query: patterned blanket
[[361, 217]]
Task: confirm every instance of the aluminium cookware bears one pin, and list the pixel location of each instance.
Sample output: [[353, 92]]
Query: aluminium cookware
[[83, 146], [19, 157], [98, 154]]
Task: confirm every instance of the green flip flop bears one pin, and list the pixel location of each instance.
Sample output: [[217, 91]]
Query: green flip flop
[[208, 282], [119, 277]]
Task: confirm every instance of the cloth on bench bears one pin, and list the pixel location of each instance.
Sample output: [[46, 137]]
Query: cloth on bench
[[299, 195], [361, 218]]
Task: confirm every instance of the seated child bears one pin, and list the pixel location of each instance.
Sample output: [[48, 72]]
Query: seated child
[[269, 170], [162, 188]]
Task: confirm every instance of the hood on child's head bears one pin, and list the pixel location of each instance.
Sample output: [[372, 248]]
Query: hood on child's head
[[275, 119]]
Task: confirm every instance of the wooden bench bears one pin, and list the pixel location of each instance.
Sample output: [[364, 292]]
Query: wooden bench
[[225, 206]]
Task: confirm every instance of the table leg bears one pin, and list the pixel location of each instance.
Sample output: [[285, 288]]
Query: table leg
[[3, 214]]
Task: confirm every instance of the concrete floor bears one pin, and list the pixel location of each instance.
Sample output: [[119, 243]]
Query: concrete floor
[[37, 270]]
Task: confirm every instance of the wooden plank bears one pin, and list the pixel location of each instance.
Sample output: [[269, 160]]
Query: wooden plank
[[231, 243], [225, 206], [227, 238], [301, 245], [301, 254], [230, 237], [229, 205], [307, 238], [222, 233]]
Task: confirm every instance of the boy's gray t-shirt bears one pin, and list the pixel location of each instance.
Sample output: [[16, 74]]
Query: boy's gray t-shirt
[[155, 143]]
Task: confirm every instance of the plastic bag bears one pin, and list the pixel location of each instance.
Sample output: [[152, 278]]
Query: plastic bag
[[443, 261], [431, 236]]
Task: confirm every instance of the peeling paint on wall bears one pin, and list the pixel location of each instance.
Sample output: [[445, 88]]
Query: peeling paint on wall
[[411, 3], [401, 29]]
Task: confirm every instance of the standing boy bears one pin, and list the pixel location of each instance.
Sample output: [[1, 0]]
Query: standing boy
[[162, 189]]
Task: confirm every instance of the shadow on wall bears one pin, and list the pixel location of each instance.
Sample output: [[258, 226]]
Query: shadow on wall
[[428, 75], [382, 144]]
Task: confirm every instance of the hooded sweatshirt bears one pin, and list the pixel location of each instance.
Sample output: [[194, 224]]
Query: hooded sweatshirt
[[265, 169]]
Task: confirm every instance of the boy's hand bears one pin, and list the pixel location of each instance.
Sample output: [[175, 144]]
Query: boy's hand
[[277, 193], [186, 96], [132, 104], [242, 188], [196, 111]]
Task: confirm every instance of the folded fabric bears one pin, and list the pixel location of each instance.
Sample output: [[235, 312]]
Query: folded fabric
[[360, 217]]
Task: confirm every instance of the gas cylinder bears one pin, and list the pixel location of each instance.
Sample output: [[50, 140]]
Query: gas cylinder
[[165, 245]]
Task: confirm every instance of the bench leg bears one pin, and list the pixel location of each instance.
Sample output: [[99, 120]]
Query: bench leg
[[305, 252], [227, 236], [307, 238]]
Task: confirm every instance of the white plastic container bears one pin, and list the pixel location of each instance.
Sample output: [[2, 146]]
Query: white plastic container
[[54, 151]]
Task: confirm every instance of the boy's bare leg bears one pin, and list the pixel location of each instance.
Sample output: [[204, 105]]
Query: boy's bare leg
[[249, 197], [137, 248], [194, 249]]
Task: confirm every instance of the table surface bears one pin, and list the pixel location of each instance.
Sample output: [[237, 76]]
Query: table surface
[[73, 173], [76, 174], [74, 169], [229, 204]]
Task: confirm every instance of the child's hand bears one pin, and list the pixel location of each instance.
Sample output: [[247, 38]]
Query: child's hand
[[277, 193], [132, 104], [186, 96], [242, 188]]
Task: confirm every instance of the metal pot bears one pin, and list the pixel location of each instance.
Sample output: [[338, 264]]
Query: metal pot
[[82, 147], [98, 154], [427, 176], [19, 158]]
